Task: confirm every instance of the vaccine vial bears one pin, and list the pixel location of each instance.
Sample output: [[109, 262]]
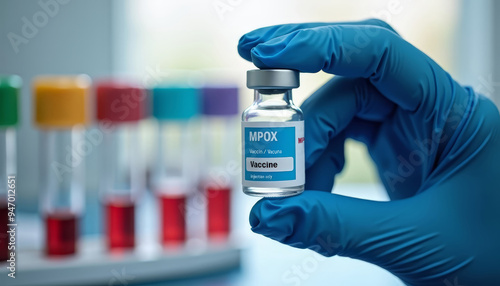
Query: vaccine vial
[[10, 87], [60, 114], [175, 175], [273, 136], [219, 126], [120, 109]]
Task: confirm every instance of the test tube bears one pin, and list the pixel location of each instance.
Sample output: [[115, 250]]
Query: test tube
[[60, 114], [120, 107], [175, 173], [219, 124], [9, 93]]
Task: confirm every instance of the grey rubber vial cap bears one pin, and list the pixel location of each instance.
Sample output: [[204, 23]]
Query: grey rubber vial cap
[[273, 79]]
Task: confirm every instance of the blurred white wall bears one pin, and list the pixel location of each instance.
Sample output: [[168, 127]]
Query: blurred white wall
[[203, 34]]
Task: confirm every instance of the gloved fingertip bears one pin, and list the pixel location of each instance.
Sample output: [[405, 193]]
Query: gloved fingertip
[[254, 220], [256, 214], [249, 38], [263, 210], [245, 44], [257, 58]]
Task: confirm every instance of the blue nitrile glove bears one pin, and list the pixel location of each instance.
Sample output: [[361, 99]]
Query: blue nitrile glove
[[436, 145]]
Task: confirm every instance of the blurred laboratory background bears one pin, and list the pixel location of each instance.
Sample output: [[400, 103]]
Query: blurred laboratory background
[[175, 47]]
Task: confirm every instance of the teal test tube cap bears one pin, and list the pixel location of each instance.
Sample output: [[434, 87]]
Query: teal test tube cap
[[175, 103]]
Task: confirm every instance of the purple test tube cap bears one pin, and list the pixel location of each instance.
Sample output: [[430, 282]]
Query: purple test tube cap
[[220, 100]]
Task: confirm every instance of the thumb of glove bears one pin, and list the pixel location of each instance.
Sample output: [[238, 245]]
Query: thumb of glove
[[327, 223], [402, 236]]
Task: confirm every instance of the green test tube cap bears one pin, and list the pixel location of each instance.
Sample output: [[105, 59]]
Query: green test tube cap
[[10, 87]]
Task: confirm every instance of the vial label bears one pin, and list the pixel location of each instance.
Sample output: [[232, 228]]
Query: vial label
[[273, 154]]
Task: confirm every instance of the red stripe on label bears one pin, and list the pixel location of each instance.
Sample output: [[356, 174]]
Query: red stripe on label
[[301, 139]]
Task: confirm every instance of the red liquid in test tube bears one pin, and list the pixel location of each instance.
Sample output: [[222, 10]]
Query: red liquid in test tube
[[4, 237], [173, 209], [219, 199], [61, 233], [120, 223]]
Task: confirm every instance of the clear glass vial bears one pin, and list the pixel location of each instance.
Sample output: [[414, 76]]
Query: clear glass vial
[[273, 136]]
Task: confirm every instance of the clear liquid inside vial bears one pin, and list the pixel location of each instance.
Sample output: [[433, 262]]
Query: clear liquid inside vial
[[273, 105]]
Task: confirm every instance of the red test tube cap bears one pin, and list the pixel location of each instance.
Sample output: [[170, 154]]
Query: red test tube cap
[[120, 101]]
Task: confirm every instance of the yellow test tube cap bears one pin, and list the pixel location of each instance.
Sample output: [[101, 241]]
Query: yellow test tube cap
[[61, 101]]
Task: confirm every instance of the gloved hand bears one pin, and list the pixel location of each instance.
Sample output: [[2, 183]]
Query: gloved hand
[[435, 143]]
